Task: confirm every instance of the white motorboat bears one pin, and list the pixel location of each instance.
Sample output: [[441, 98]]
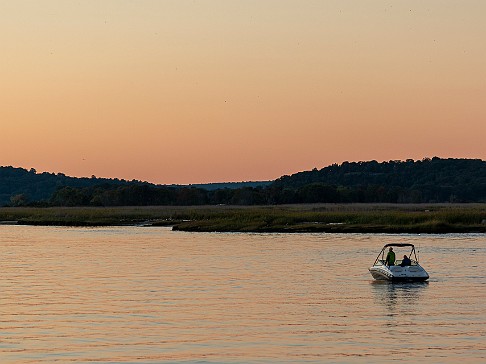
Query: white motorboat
[[399, 269]]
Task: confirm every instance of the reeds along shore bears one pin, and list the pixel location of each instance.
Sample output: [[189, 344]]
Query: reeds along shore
[[355, 218]]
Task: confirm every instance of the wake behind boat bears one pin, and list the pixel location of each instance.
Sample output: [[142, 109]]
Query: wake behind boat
[[407, 269]]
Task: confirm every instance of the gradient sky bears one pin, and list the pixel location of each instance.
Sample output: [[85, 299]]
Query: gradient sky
[[210, 91]]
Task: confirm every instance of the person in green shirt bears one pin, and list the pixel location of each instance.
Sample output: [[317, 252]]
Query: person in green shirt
[[390, 257]]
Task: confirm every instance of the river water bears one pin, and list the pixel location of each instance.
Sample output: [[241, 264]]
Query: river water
[[151, 295]]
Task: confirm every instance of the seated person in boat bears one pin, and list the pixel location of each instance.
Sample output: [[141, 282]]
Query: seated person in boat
[[390, 257], [406, 261]]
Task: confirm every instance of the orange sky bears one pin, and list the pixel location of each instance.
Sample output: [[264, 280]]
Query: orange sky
[[209, 91]]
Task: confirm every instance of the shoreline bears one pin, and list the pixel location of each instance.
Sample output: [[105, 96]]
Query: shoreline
[[305, 218]]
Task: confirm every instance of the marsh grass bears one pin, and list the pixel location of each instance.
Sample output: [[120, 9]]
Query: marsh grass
[[347, 218], [440, 218]]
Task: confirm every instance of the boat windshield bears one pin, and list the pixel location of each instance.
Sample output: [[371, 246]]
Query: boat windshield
[[399, 262], [400, 250]]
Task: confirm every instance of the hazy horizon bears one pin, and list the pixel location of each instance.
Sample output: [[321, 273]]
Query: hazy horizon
[[184, 92]]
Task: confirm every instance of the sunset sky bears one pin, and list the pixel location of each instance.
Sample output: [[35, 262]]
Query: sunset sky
[[211, 91]]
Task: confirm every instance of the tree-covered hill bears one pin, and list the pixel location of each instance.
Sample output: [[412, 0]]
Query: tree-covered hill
[[20, 186], [425, 181]]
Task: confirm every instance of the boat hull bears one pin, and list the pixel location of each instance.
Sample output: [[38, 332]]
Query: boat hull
[[399, 274]]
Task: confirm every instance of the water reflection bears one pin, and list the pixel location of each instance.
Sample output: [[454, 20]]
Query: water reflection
[[126, 295], [398, 298]]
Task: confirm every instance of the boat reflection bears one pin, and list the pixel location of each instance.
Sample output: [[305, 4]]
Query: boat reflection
[[398, 298]]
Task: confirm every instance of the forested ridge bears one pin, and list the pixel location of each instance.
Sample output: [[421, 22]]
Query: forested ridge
[[19, 186], [426, 180], [433, 180]]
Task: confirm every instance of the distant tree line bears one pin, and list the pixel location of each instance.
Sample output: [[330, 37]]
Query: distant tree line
[[19, 186], [22, 187], [425, 181]]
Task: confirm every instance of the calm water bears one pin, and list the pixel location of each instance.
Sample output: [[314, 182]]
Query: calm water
[[150, 295]]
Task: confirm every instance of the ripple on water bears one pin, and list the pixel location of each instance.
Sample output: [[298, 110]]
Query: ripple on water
[[146, 295]]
